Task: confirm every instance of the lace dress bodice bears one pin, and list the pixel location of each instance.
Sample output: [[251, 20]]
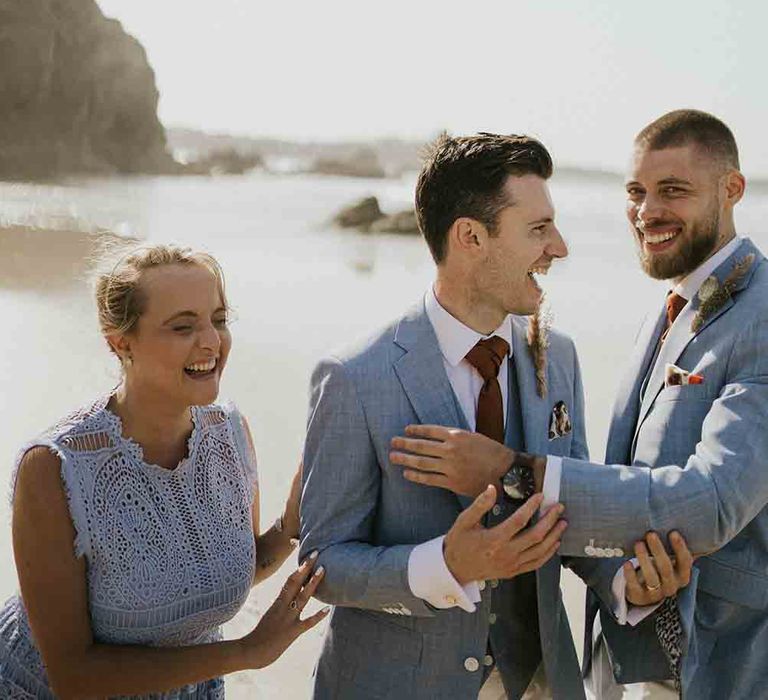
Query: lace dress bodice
[[170, 554]]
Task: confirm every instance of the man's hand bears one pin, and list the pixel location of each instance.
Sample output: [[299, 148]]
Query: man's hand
[[660, 576], [474, 553], [450, 458]]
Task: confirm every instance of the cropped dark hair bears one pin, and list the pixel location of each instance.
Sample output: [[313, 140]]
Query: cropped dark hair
[[465, 176], [690, 126]]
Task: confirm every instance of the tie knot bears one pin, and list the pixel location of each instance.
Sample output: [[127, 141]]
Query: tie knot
[[675, 304], [486, 357]]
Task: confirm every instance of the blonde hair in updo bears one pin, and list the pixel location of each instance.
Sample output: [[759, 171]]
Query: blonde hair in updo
[[119, 297]]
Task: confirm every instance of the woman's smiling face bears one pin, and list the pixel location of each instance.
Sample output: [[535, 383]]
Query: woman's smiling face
[[180, 345]]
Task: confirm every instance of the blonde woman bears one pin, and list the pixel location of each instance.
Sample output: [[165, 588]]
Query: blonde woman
[[136, 518]]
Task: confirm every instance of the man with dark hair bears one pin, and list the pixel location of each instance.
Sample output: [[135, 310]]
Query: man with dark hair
[[407, 567], [464, 177], [688, 441]]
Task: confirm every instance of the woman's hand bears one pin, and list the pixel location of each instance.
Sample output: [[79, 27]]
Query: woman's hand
[[660, 576], [282, 623], [291, 513]]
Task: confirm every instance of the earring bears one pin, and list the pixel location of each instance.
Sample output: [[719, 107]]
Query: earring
[[128, 360]]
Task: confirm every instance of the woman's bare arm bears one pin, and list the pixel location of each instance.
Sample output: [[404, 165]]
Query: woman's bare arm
[[54, 590]]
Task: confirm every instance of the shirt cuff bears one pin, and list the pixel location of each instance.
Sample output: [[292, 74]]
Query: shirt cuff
[[430, 579], [625, 613], [551, 488]]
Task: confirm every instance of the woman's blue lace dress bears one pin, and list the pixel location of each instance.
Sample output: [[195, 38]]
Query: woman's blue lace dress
[[170, 554]]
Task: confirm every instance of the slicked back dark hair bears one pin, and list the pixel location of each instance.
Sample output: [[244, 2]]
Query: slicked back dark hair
[[465, 176], [690, 126]]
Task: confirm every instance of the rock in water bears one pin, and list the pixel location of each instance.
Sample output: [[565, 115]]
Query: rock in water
[[401, 222], [77, 94], [360, 214]]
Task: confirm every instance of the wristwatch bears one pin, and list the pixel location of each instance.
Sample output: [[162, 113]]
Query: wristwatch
[[518, 483]]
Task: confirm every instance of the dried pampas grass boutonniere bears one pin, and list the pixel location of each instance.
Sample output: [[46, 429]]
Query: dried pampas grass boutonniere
[[538, 342], [713, 295]]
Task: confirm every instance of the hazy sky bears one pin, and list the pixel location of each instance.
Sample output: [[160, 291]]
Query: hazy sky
[[584, 76]]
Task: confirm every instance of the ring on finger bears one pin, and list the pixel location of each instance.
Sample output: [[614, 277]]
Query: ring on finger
[[652, 589]]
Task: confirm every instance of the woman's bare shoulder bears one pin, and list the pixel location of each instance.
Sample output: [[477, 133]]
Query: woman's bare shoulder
[[39, 473]]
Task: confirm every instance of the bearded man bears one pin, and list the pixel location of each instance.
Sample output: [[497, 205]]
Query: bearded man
[[688, 441]]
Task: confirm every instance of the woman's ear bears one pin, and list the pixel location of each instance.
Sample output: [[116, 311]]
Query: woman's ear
[[121, 346]]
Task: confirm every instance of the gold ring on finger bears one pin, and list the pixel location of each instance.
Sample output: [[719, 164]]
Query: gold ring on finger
[[652, 589]]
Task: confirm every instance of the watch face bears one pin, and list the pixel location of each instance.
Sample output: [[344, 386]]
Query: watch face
[[518, 482], [513, 490]]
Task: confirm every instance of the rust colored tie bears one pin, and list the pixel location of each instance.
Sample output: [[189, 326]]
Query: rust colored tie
[[667, 618], [486, 357], [675, 304]]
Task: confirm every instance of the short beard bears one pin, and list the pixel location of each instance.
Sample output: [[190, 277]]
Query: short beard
[[694, 251]]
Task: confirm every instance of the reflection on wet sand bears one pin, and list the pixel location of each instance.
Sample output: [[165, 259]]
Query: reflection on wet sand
[[45, 260]]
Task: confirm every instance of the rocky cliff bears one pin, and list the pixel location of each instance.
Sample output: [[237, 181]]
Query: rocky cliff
[[77, 94]]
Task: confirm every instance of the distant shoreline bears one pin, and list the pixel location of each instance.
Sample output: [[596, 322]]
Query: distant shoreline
[[395, 155]]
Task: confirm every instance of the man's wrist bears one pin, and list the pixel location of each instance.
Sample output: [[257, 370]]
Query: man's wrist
[[503, 467], [450, 565]]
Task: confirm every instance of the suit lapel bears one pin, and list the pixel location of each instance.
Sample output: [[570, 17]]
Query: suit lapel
[[422, 373], [534, 413], [682, 332], [534, 409], [625, 411]]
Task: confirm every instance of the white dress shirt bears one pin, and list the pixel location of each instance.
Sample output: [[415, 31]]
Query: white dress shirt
[[428, 576], [686, 288]]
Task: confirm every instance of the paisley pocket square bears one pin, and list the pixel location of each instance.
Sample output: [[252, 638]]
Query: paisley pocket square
[[559, 421], [676, 376]]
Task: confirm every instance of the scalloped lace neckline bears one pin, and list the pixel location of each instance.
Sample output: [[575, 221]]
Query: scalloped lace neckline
[[136, 450]]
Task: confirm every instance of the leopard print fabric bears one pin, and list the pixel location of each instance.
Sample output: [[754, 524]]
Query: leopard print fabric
[[669, 631]]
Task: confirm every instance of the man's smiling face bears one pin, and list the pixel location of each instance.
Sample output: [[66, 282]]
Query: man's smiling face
[[674, 209], [524, 243]]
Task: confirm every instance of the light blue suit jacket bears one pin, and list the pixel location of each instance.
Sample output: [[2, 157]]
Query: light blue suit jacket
[[699, 464], [365, 518]]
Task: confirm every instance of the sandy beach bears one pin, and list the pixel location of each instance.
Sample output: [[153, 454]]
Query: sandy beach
[[299, 289]]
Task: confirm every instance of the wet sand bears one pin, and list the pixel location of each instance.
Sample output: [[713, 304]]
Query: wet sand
[[41, 260], [58, 361]]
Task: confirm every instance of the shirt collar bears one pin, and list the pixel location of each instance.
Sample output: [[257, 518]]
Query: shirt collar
[[690, 285], [454, 338]]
